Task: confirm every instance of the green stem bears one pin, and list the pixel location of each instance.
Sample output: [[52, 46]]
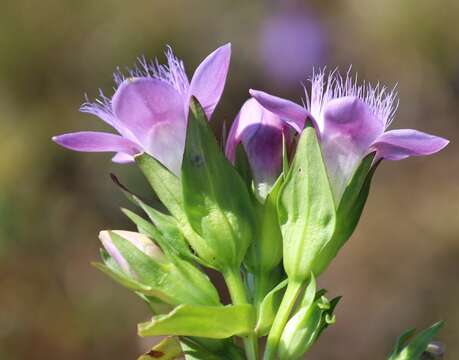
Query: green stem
[[238, 296], [285, 308]]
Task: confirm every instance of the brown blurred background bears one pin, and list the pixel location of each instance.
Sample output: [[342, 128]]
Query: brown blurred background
[[400, 269]]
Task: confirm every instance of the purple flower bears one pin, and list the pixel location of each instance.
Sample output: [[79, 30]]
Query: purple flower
[[149, 109], [260, 132], [140, 241], [352, 121]]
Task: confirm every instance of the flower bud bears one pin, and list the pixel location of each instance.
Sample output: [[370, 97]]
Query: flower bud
[[140, 241], [261, 132]]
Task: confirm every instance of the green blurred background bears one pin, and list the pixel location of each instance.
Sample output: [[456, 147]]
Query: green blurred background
[[400, 269]]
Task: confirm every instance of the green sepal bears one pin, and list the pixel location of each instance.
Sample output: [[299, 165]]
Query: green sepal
[[268, 309], [265, 251], [180, 280], [414, 349], [215, 322], [216, 200], [167, 349], [306, 209], [349, 209]]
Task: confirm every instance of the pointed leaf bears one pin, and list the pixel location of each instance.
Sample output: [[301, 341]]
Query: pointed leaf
[[306, 209], [201, 348], [350, 209], [418, 345], [215, 322], [242, 166], [268, 309], [265, 251], [165, 184], [216, 200]]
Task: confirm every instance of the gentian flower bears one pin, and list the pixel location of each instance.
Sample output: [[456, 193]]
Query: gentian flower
[[351, 121], [149, 109], [260, 132]]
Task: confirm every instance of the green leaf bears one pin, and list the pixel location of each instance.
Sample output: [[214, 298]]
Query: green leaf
[[310, 293], [165, 233], [216, 199], [306, 209], [265, 251], [215, 322], [354, 197], [417, 346], [165, 184], [242, 166], [349, 209], [201, 348], [130, 283], [402, 340], [167, 349], [268, 309]]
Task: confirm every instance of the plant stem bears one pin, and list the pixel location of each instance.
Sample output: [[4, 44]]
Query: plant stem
[[238, 296], [285, 308]]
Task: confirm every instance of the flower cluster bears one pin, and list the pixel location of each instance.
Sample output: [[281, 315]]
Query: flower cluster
[[270, 213]]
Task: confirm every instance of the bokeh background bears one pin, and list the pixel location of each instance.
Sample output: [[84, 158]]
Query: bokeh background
[[400, 269]]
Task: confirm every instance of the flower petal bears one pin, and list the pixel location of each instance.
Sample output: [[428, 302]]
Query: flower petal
[[154, 112], [93, 141], [293, 114], [349, 130], [261, 132], [402, 143], [210, 77]]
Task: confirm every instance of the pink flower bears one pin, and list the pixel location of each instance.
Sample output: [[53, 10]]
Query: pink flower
[[351, 121], [149, 109]]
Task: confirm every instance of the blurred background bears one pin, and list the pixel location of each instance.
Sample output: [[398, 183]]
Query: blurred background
[[400, 269]]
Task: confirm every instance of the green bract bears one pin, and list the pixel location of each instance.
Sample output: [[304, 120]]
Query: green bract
[[306, 209], [349, 210], [216, 199]]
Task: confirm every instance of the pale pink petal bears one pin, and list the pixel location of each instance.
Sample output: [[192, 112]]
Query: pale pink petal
[[92, 141], [349, 129], [293, 114], [210, 77], [261, 132], [402, 143], [154, 112]]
